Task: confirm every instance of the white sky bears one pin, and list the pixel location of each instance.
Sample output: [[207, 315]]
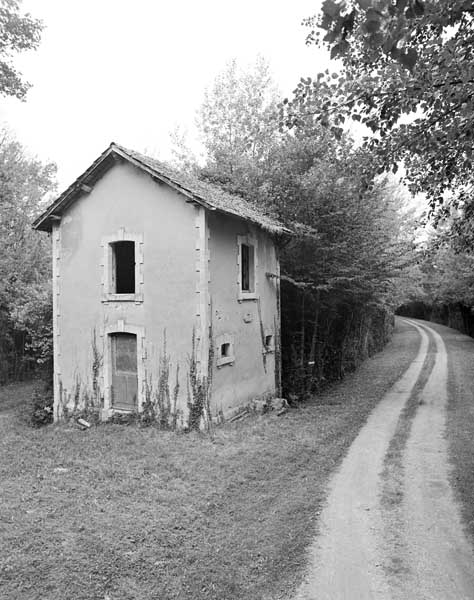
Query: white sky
[[129, 72]]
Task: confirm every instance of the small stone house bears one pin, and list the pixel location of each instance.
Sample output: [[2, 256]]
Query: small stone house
[[165, 293]]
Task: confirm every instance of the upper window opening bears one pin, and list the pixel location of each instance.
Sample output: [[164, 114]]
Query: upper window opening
[[225, 350], [248, 268], [124, 267]]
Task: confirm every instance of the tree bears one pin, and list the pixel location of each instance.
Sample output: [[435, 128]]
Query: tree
[[357, 247], [408, 75], [238, 121], [338, 276], [449, 277], [17, 34], [25, 260], [441, 284]]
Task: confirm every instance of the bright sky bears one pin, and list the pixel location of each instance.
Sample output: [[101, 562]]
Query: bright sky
[[129, 72]]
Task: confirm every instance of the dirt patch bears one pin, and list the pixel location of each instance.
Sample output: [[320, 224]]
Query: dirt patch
[[391, 494]]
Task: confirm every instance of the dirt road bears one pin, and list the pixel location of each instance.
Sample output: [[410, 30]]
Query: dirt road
[[391, 528]]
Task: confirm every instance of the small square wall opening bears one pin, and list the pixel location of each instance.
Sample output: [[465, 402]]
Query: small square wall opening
[[269, 342], [224, 351]]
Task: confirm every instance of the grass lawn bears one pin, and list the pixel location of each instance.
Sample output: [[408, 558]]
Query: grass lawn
[[118, 512]]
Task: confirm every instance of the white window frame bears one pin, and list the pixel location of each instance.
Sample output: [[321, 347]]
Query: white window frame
[[249, 240], [225, 338], [108, 265]]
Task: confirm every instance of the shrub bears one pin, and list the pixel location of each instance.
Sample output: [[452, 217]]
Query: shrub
[[38, 410]]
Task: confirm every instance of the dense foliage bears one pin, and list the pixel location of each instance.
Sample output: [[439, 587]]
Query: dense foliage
[[238, 122], [25, 263], [407, 75], [440, 285]]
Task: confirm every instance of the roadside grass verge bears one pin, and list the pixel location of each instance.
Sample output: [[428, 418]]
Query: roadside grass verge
[[118, 513], [392, 491], [460, 422]]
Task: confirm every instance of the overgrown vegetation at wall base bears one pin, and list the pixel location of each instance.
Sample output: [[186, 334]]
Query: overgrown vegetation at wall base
[[38, 408]]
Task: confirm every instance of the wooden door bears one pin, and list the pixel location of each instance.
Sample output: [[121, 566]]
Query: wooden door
[[124, 371]]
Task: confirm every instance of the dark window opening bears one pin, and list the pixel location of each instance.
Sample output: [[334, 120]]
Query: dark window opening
[[124, 267], [269, 342], [225, 350], [247, 268]]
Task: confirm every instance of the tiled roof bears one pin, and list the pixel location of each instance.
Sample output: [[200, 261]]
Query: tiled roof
[[209, 195]]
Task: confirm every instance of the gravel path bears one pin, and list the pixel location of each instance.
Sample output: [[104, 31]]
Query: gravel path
[[415, 547]]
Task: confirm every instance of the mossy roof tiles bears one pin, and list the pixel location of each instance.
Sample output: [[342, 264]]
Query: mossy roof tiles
[[209, 195]]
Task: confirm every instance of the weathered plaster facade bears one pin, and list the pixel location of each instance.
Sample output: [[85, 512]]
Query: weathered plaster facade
[[187, 286], [245, 321]]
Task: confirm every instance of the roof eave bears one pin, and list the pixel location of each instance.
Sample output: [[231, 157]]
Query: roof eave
[[45, 221]]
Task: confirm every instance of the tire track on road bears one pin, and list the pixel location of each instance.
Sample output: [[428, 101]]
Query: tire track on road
[[345, 560], [393, 548], [441, 558]]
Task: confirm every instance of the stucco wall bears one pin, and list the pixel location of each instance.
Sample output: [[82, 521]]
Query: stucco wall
[[252, 373], [126, 198]]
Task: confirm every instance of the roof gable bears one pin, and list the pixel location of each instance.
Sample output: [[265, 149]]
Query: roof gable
[[206, 194]]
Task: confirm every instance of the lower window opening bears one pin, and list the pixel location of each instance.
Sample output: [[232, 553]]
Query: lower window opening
[[269, 342]]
